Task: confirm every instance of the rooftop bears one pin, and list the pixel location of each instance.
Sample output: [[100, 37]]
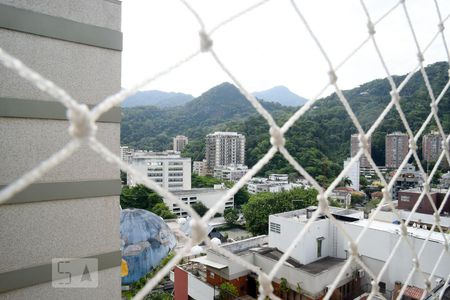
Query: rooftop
[[394, 228], [196, 191], [343, 214], [315, 267]]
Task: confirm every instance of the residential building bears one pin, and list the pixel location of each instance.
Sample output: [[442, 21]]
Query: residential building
[[230, 172], [274, 184], [408, 178], [397, 147], [126, 153], [307, 272], [179, 142], [209, 197], [170, 170], [354, 148], [199, 168], [408, 198], [317, 260], [444, 181], [353, 173], [431, 146], [72, 210], [343, 195], [223, 149]]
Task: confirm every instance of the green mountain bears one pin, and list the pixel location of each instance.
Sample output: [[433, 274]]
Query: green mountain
[[320, 140], [157, 98], [153, 128], [282, 95]]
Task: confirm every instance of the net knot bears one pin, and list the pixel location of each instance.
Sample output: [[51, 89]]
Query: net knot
[[395, 96], [353, 248], [437, 218], [404, 230], [420, 57], [371, 28], [441, 27], [445, 146], [333, 77], [81, 124], [363, 142], [375, 287], [412, 145], [276, 137], [434, 107], [265, 286], [426, 187], [427, 284], [199, 231], [386, 194], [205, 41], [416, 264], [322, 202]]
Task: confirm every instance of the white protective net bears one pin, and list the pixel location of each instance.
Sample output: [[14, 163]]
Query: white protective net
[[83, 131]]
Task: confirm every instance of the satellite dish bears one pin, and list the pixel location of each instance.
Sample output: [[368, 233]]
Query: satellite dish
[[216, 241], [196, 250]]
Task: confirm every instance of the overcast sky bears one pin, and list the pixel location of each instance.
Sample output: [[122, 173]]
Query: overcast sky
[[270, 46]]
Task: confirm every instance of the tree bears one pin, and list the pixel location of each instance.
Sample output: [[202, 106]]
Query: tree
[[158, 295], [199, 208], [358, 198], [345, 182], [198, 181], [260, 206], [241, 197], [227, 291], [138, 196], [231, 215], [163, 211]]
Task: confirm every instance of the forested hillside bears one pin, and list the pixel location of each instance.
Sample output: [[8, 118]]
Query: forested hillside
[[320, 140]]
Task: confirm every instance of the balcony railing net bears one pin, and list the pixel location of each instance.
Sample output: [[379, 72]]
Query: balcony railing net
[[83, 132]]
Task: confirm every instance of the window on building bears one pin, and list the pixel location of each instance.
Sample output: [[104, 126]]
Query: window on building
[[275, 227], [319, 246], [382, 286], [193, 198]]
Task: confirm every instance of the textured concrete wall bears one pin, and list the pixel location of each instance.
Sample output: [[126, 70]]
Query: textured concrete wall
[[101, 13], [32, 234]]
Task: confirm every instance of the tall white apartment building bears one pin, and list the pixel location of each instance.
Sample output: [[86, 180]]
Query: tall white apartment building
[[170, 170], [224, 148], [179, 142]]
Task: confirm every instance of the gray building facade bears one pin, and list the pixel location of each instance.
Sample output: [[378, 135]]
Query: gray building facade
[[73, 210]]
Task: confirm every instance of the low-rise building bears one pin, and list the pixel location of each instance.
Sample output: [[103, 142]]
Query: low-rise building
[[168, 169], [274, 184], [409, 178], [230, 172], [317, 260], [407, 200], [200, 168], [126, 153], [208, 196]]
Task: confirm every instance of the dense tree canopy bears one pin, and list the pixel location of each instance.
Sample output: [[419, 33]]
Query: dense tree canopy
[[261, 205]]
